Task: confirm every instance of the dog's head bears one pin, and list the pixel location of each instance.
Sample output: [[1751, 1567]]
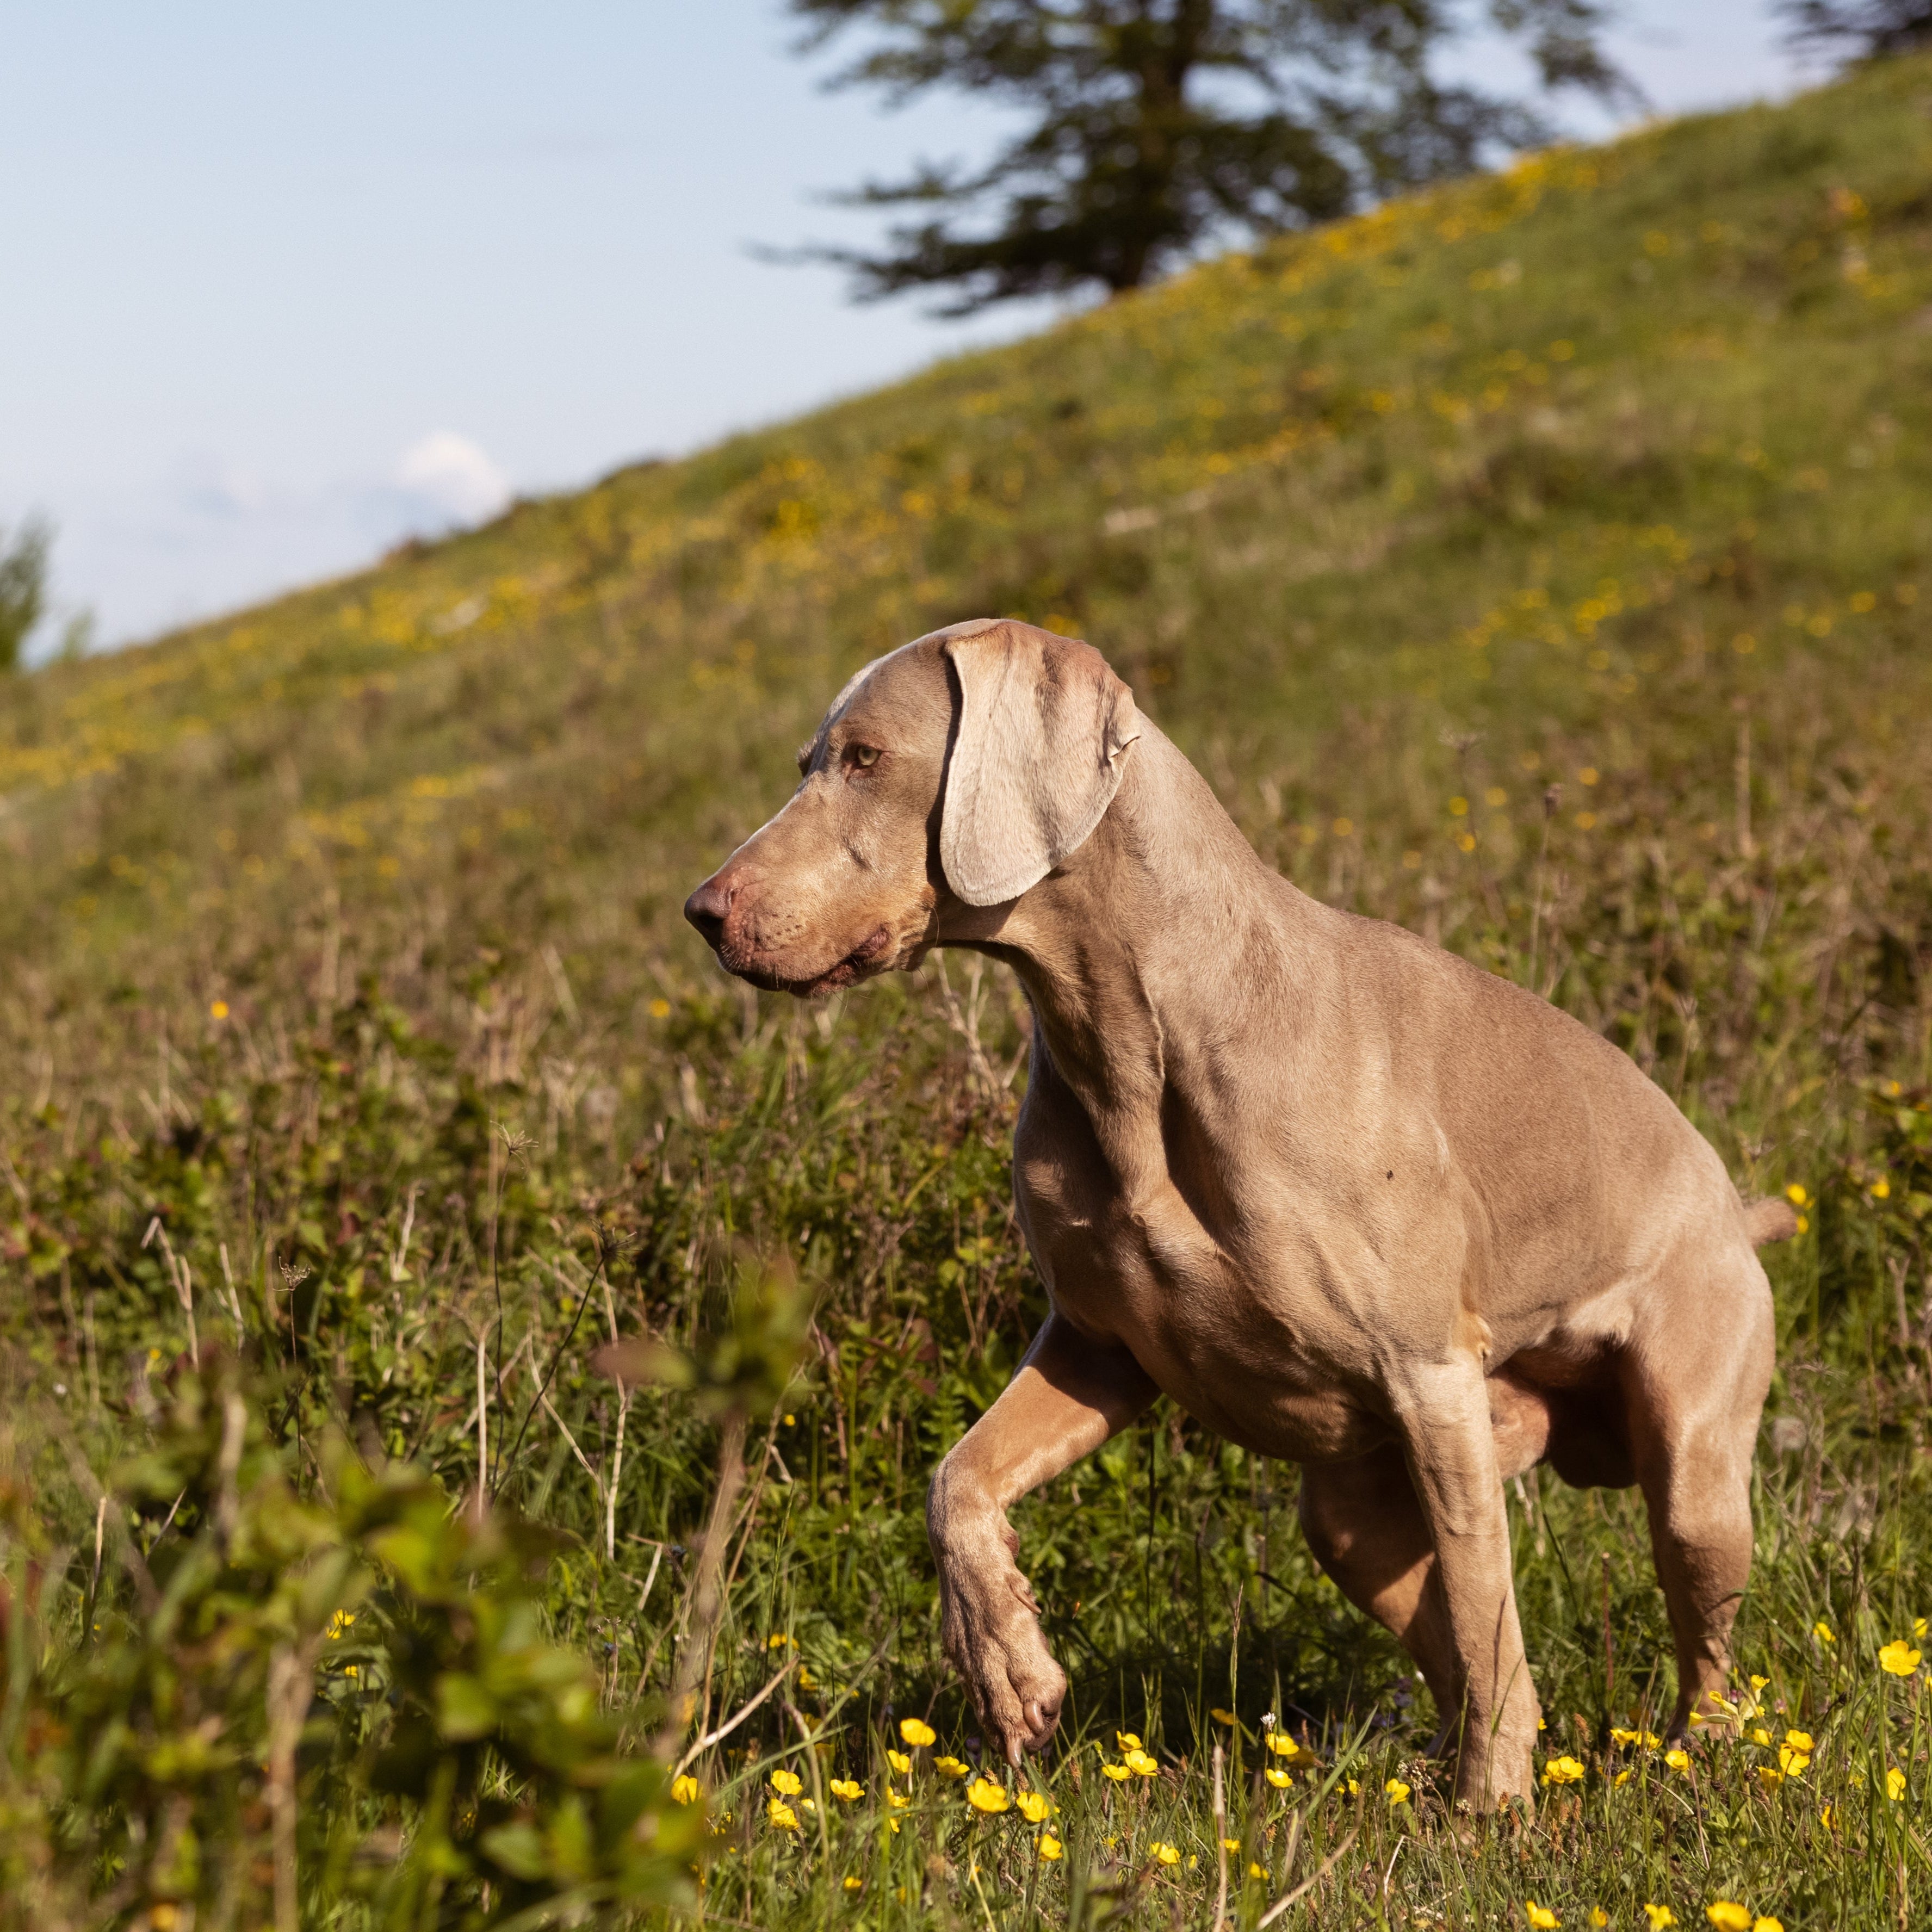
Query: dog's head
[[961, 769]]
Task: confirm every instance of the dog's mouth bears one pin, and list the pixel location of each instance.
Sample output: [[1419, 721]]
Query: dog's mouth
[[874, 954]]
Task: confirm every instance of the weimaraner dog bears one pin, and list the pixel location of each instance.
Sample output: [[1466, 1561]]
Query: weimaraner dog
[[1348, 1200]]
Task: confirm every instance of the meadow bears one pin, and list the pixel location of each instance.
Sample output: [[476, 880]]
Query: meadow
[[472, 1371]]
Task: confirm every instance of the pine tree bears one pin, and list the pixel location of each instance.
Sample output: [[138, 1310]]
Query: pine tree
[[1161, 127]]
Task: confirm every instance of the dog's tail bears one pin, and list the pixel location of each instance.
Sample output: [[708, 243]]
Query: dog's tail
[[1770, 1219]]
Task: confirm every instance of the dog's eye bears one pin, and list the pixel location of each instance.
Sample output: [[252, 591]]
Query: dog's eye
[[864, 756]]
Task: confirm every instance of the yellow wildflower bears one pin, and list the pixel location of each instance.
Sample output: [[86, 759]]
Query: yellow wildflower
[[1280, 1780], [1622, 1778], [1767, 1925], [1540, 1916], [684, 1788], [1168, 1855], [1660, 1916], [1822, 1630], [1760, 1735], [1894, 1784], [1795, 1753], [1563, 1771], [1033, 1807], [777, 1640], [1230, 1844], [1126, 1741], [339, 1623], [847, 1788], [1222, 1717], [1677, 1760], [1901, 1660], [1050, 1846], [983, 1795], [806, 1682], [916, 1733], [1728, 1915], [854, 1884], [1398, 1792], [949, 1767], [1759, 1683], [786, 1784], [781, 1815], [1283, 1745], [898, 1760], [1598, 1916], [898, 1800], [1120, 1774], [1796, 1195], [1140, 1762], [1769, 1778], [1254, 1870]]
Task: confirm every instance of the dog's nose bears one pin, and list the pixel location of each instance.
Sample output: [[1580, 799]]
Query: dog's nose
[[706, 909]]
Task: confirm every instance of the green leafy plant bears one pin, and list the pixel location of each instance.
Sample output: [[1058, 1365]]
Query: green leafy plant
[[277, 1703]]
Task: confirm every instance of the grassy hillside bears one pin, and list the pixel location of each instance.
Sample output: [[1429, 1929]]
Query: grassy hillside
[[1544, 562]]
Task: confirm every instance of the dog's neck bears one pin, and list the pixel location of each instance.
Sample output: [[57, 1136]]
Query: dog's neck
[[1165, 926]]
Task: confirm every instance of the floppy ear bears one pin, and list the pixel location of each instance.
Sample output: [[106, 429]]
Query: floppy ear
[[1044, 725]]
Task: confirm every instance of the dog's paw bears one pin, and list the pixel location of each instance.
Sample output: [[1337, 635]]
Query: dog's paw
[[1016, 1686], [1497, 1766], [991, 1632]]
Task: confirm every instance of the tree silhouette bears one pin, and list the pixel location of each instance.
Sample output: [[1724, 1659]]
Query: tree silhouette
[[1159, 127]]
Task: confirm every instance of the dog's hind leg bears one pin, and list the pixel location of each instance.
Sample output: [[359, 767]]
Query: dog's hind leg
[[1366, 1530], [1695, 1377]]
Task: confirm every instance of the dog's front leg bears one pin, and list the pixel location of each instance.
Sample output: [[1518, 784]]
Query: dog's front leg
[[1444, 1413], [1068, 1396]]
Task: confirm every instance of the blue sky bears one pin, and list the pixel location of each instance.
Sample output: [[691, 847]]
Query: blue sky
[[283, 285]]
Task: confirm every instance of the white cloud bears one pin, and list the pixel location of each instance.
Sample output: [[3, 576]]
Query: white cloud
[[454, 474], [213, 533]]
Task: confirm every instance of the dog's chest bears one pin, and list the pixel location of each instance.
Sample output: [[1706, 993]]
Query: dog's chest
[[1229, 1333]]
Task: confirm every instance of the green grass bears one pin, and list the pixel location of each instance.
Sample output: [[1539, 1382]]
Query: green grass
[[1545, 562]]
